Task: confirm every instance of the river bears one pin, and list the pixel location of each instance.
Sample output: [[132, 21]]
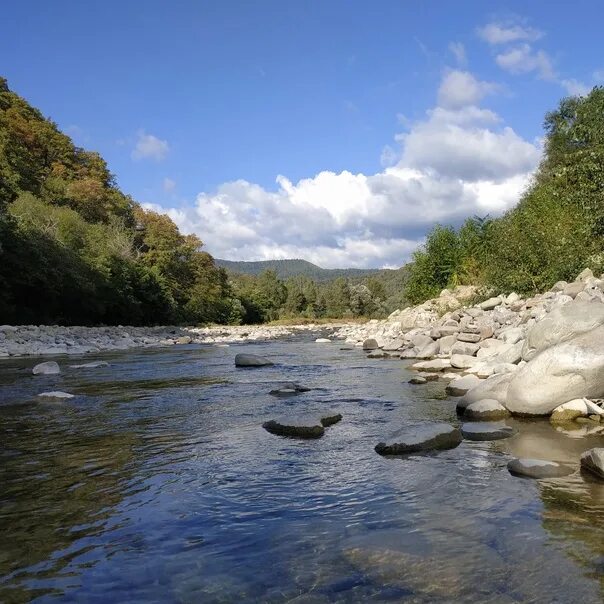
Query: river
[[157, 483]]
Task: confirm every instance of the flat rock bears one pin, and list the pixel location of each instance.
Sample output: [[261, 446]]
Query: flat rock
[[298, 427], [420, 437], [460, 385], [462, 361], [417, 380], [593, 461], [469, 337], [486, 410], [56, 395], [490, 304], [433, 365], [323, 341], [480, 431], [47, 368], [538, 468], [251, 360], [91, 365]]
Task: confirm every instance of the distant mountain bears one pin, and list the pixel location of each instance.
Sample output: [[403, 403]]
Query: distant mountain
[[291, 268]]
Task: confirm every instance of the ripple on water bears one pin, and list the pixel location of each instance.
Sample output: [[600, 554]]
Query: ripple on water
[[158, 483]]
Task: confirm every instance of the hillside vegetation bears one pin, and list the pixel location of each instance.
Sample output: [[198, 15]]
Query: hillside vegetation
[[556, 229], [74, 249], [293, 268]]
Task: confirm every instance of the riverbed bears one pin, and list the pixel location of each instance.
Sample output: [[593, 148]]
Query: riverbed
[[157, 483]]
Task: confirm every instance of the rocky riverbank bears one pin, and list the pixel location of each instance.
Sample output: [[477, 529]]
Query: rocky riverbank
[[41, 340], [526, 356]]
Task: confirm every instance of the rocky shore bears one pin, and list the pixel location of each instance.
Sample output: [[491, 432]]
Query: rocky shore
[[41, 340], [528, 355]]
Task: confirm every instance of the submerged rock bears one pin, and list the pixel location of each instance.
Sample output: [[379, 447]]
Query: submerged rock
[[298, 427], [251, 360], [538, 468], [47, 368], [288, 388], [91, 365], [56, 395], [593, 461], [420, 437], [486, 431]]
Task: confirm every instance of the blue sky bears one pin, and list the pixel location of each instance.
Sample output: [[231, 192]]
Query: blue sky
[[336, 131]]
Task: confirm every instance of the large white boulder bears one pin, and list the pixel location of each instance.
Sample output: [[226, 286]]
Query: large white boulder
[[570, 370], [562, 324]]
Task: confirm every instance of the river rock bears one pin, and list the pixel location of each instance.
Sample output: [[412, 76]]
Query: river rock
[[563, 324], [370, 344], [480, 431], [428, 351], [469, 337], [393, 345], [47, 368], [462, 361], [593, 461], [569, 411], [445, 344], [323, 341], [298, 427], [183, 340], [91, 365], [573, 289], [56, 395], [433, 365], [460, 385], [251, 360], [420, 437], [466, 348], [418, 380], [494, 387], [570, 370], [486, 410], [538, 468], [331, 418], [490, 304]]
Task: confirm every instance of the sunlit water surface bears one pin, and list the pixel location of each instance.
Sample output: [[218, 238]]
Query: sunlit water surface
[[157, 483]]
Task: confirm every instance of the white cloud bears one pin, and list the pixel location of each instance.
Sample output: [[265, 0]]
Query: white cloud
[[149, 146], [524, 59], [575, 87], [168, 185], [458, 50], [457, 161], [460, 88], [499, 33]]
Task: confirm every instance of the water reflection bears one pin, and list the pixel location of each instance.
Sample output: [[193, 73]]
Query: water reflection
[[157, 483]]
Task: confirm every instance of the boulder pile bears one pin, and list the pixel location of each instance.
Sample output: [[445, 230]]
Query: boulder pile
[[526, 356]]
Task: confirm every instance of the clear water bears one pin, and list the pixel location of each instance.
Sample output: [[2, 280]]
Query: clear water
[[158, 484]]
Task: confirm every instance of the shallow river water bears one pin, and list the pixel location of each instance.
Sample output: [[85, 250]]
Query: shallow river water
[[157, 483]]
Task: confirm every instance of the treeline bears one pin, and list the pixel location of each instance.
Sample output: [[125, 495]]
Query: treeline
[[556, 229], [267, 298], [74, 249]]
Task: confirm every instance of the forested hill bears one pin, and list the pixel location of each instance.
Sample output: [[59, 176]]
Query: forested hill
[[294, 268]]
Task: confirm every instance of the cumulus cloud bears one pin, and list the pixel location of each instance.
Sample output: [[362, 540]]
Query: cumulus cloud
[[458, 160], [575, 87], [524, 59], [460, 88], [149, 146], [501, 33]]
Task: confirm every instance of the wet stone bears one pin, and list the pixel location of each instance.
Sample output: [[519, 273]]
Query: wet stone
[[251, 360], [298, 427], [480, 431], [47, 368], [537, 468], [420, 437]]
